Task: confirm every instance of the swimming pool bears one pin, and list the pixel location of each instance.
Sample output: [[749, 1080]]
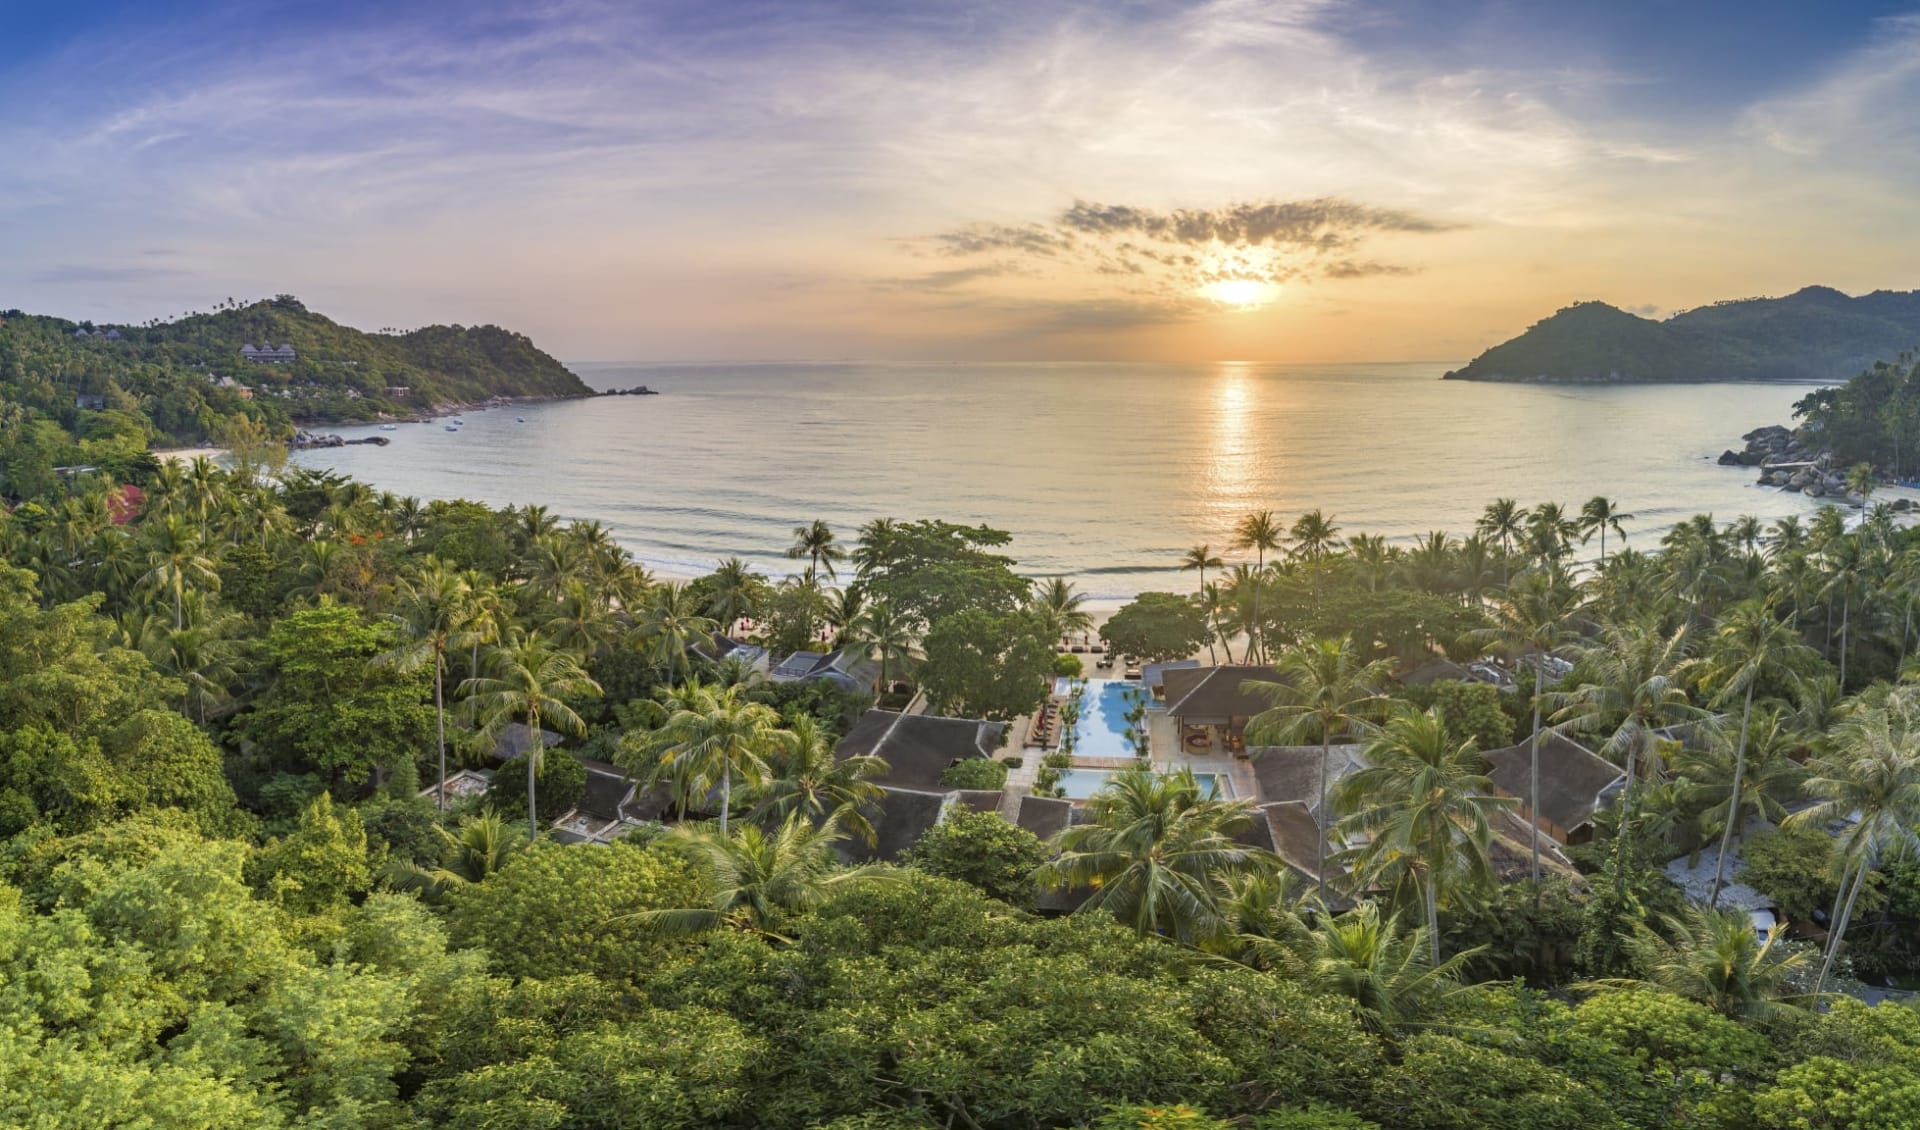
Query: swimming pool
[[1083, 783], [1102, 730]]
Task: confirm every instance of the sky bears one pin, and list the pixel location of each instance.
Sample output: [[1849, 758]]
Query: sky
[[1294, 180]]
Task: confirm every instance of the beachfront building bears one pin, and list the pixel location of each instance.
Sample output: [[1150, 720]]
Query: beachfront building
[[1209, 708], [722, 649], [399, 392], [268, 354], [1153, 676], [845, 668], [1575, 782], [918, 750]]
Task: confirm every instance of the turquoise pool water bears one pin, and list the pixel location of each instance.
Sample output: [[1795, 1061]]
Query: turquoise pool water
[[1102, 730], [1083, 783]]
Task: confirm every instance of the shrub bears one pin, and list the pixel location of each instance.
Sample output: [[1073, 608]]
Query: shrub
[[975, 773], [1068, 665], [983, 851], [562, 782]]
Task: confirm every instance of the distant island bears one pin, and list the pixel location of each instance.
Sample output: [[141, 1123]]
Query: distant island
[[181, 381], [1814, 334]]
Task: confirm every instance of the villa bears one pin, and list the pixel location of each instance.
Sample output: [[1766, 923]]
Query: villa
[[90, 402], [268, 354], [847, 669], [918, 748], [721, 649], [609, 808], [1209, 709], [1574, 783], [1153, 676]]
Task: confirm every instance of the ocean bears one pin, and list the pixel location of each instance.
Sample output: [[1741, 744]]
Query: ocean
[[1104, 473]]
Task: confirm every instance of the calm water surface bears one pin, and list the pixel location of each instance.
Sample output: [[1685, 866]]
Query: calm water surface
[[1102, 472]]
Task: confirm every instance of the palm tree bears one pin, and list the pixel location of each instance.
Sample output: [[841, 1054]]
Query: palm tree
[[1154, 850], [1750, 645], [670, 625], [886, 635], [1870, 779], [804, 777], [1505, 519], [759, 879], [1260, 532], [1548, 533], [1860, 482], [1718, 960], [1060, 607], [1845, 560], [1424, 804], [815, 544], [482, 846], [1388, 974], [435, 612], [530, 682], [845, 607], [1314, 536], [1769, 777], [176, 563], [1635, 685], [1598, 516], [1324, 689], [736, 594], [1534, 616], [1201, 557], [716, 738], [580, 619]]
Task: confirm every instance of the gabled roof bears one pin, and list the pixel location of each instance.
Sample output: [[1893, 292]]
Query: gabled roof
[[1044, 816], [899, 819], [1214, 692], [515, 739], [1154, 674], [1296, 838], [1292, 773], [813, 665], [1572, 777], [1434, 671], [608, 789], [918, 747]]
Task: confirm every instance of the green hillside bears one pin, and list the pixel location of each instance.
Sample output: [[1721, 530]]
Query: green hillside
[[1813, 334], [179, 380]]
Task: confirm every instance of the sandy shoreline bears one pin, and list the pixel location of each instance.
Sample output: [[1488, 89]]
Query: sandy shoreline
[[189, 454]]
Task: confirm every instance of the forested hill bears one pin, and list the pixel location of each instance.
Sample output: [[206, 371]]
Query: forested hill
[[1816, 334], [181, 377]]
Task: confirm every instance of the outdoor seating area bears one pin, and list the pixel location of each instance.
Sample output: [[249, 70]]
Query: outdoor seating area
[[1044, 731]]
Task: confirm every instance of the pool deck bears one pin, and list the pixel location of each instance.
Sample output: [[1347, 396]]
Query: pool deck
[[1161, 736]]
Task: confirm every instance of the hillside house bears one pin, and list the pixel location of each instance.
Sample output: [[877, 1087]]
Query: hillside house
[[269, 354]]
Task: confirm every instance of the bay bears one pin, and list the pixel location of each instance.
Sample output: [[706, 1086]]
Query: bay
[[1102, 472]]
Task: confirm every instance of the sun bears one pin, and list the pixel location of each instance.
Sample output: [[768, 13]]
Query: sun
[[1243, 293]]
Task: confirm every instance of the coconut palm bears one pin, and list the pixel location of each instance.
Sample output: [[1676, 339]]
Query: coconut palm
[[1635, 684], [814, 543], [176, 563], [1324, 688], [1599, 515], [1387, 973], [845, 607], [1717, 959], [435, 613], [481, 847], [1315, 536], [1534, 616], [1768, 776], [206, 656], [1202, 557], [1424, 805], [1060, 607], [669, 624], [1260, 532], [530, 681], [804, 777], [1549, 533], [1870, 781], [885, 635], [1845, 565], [736, 594], [580, 620], [1154, 851], [1506, 520], [758, 879], [716, 739], [1749, 646]]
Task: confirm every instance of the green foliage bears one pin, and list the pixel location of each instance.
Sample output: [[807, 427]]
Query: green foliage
[[930, 570], [1178, 1116], [975, 773], [560, 785], [319, 864], [983, 851], [1066, 665], [1471, 710], [1157, 626], [1795, 867], [1445, 1083], [985, 665]]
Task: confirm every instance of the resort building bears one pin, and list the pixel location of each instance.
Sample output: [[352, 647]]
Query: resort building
[[919, 748], [269, 354], [611, 807], [847, 669], [1209, 709], [399, 392], [720, 649], [466, 783], [1153, 676], [1575, 782], [90, 402]]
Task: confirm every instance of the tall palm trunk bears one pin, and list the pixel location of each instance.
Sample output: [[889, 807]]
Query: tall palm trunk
[[1846, 607], [726, 797], [1626, 821], [1533, 792], [1254, 649], [1433, 917], [440, 716], [1733, 802], [1320, 815], [1840, 929], [534, 758]]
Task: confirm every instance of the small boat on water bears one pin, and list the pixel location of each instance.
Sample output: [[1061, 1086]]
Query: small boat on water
[[519, 419], [388, 428], [460, 421], [453, 427]]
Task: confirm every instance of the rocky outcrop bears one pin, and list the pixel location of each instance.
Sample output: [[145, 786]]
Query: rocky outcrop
[[1787, 463]]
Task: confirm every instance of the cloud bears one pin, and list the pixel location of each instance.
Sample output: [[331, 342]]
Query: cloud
[[1322, 223], [947, 280], [1349, 269], [975, 239]]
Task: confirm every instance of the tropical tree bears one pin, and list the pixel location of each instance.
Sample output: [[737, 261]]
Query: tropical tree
[[1260, 532], [758, 879], [435, 611], [1534, 617], [1599, 515], [1749, 646], [1424, 805], [530, 681], [1388, 973], [481, 847], [1154, 851], [1717, 959], [814, 543], [1324, 688], [804, 777], [718, 736], [1506, 520], [1202, 557], [1061, 607], [886, 635], [735, 592], [1870, 781], [177, 563], [1315, 536], [670, 623]]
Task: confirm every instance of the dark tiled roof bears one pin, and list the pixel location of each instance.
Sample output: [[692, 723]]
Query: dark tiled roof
[[1292, 773], [900, 818], [1045, 817], [608, 789], [918, 747], [1214, 692], [1154, 674], [1572, 777], [980, 800], [515, 739], [1296, 837], [1434, 671]]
